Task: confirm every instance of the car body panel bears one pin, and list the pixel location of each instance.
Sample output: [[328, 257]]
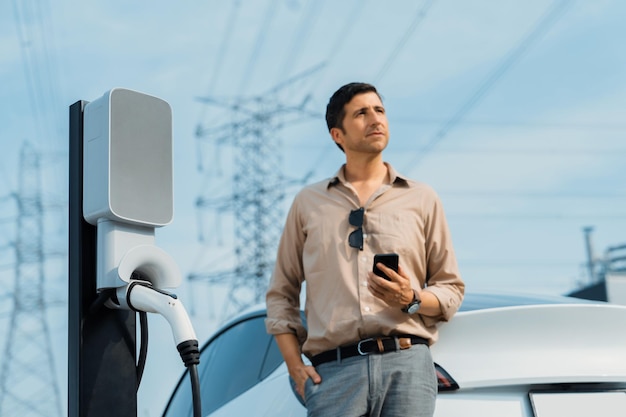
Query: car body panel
[[499, 349], [534, 344]]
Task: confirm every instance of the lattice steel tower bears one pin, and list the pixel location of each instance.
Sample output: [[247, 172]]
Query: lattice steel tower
[[258, 186], [28, 384]]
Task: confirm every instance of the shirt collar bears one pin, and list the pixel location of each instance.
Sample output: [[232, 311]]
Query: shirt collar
[[340, 177]]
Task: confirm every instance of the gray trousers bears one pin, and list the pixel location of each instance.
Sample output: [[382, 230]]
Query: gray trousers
[[394, 384]]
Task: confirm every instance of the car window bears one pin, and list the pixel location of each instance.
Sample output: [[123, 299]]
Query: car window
[[230, 364], [273, 359]]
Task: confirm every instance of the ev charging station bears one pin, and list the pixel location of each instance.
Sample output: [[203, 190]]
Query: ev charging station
[[120, 191]]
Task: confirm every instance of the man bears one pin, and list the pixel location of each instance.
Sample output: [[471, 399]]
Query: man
[[367, 337]]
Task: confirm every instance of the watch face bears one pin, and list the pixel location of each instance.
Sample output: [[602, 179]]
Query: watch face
[[413, 307]]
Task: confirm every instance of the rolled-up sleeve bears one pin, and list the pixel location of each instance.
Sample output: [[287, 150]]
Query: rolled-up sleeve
[[283, 295], [443, 277]]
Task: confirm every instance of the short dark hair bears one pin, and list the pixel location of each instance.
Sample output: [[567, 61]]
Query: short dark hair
[[335, 110]]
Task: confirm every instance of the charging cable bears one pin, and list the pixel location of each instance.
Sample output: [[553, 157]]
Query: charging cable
[[140, 296]]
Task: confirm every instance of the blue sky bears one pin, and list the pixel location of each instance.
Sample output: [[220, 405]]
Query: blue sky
[[512, 110]]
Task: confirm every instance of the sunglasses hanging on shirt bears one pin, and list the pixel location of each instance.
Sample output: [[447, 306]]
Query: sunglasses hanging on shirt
[[355, 239]]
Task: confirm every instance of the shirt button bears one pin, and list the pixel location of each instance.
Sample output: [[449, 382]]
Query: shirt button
[[364, 258], [368, 309], [364, 283]]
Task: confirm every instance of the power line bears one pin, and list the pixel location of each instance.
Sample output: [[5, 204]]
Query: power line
[[358, 7], [39, 67], [260, 40], [51, 80], [548, 19], [337, 43], [28, 68], [229, 29], [307, 20], [419, 18]]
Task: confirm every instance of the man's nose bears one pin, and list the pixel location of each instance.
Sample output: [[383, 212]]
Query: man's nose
[[376, 118]]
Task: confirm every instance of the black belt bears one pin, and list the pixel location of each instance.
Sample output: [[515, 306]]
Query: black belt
[[367, 347]]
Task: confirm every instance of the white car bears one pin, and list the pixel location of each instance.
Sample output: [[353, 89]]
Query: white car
[[500, 356]]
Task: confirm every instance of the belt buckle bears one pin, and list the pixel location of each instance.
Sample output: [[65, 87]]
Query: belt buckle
[[404, 342], [358, 346]]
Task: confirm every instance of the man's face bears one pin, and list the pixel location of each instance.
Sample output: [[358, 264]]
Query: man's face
[[365, 127]]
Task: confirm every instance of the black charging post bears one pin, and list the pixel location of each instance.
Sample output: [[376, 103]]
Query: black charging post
[[102, 380]]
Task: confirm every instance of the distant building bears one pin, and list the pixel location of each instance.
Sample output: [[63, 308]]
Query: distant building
[[607, 275]]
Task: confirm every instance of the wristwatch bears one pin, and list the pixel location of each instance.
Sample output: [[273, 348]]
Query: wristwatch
[[414, 306]]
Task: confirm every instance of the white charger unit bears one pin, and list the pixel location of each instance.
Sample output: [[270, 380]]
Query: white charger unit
[[127, 166], [128, 185]]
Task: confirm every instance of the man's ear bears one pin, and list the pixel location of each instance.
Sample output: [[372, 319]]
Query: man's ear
[[337, 135]]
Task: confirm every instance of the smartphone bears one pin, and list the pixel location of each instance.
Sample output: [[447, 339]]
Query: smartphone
[[390, 260]]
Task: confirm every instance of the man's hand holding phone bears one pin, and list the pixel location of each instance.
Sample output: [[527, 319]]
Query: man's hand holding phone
[[395, 289]]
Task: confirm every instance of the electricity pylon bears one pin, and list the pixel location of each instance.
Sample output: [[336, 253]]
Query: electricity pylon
[[28, 383], [258, 185]]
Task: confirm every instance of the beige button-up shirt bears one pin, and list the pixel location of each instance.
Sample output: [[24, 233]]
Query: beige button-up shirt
[[405, 217]]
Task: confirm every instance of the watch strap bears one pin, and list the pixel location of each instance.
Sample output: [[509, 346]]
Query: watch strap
[[415, 302]]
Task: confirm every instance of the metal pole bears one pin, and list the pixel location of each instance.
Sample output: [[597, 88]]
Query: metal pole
[[102, 377], [591, 265]]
